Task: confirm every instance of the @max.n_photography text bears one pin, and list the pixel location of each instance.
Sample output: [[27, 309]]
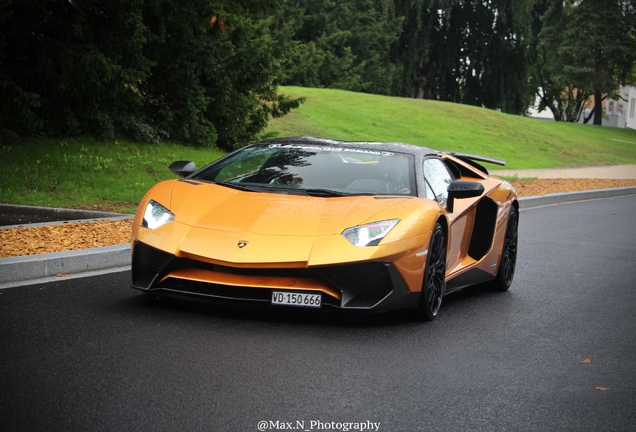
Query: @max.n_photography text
[[317, 425]]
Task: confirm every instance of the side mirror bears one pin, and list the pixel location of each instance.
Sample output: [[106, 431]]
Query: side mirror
[[182, 168], [462, 189]]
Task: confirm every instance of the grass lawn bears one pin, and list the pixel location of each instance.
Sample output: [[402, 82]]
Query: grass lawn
[[522, 141], [115, 175], [88, 173]]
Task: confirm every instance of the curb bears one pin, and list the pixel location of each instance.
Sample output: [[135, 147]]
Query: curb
[[21, 270], [29, 269], [559, 198], [17, 271], [59, 213]]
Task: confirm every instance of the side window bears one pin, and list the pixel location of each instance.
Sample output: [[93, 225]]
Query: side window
[[437, 179]]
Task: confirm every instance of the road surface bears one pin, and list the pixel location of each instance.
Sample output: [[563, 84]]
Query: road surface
[[556, 352]]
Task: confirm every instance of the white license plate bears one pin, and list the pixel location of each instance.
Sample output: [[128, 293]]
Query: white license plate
[[296, 299]]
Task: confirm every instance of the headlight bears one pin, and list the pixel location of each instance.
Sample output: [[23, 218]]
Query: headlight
[[369, 234], [156, 215]]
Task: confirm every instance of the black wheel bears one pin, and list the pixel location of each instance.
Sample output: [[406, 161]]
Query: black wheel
[[506, 270], [434, 284]]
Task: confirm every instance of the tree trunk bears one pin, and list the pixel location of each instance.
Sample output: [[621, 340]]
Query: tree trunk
[[418, 90], [598, 108]]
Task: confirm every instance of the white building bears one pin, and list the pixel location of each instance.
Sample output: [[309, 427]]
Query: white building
[[618, 113], [622, 112]]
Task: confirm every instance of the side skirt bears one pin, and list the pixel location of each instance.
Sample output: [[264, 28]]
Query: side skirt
[[471, 277]]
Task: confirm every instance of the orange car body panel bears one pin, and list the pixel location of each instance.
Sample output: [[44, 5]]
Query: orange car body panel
[[239, 216], [211, 221]]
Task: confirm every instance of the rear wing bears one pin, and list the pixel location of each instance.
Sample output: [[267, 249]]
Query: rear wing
[[479, 158], [471, 160]]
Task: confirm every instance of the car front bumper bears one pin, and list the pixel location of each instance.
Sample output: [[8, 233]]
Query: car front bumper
[[373, 286]]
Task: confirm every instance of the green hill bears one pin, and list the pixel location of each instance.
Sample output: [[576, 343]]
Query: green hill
[[116, 174], [522, 141]]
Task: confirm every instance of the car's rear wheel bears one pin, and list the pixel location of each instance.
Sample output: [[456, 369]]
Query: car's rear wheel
[[508, 262], [434, 284]]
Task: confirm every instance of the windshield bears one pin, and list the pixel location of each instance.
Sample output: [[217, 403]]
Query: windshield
[[315, 170]]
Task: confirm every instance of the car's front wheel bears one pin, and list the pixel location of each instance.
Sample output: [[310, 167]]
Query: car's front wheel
[[434, 284]]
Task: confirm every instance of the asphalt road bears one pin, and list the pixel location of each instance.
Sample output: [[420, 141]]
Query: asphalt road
[[93, 355]]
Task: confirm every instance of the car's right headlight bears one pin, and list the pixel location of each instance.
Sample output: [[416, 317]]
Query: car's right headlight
[[369, 234], [156, 215]]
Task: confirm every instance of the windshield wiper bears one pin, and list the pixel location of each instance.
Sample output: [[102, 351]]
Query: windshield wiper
[[331, 193], [238, 186]]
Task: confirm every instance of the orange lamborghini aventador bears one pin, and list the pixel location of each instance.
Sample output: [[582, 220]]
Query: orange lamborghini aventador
[[316, 223]]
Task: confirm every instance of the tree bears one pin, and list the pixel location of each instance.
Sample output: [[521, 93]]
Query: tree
[[556, 90], [340, 44], [194, 72], [65, 65], [600, 49], [581, 49], [214, 79], [464, 51]]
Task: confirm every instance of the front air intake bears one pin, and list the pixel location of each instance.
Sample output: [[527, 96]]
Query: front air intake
[[365, 278], [147, 262]]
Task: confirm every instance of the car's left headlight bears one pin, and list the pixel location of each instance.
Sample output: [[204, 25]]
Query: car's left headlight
[[369, 234], [156, 215]]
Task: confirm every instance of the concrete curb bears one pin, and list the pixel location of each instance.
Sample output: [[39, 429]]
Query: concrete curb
[[16, 271], [61, 213], [66, 222], [34, 267], [559, 198], [614, 172]]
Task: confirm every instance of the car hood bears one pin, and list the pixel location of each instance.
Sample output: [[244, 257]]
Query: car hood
[[220, 208]]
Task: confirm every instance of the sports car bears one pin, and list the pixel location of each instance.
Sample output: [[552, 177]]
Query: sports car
[[317, 223]]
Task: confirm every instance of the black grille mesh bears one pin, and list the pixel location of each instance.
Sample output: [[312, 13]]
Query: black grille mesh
[[146, 263], [367, 278]]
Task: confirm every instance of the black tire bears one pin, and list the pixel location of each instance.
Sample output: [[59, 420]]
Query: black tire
[[508, 261], [434, 284]]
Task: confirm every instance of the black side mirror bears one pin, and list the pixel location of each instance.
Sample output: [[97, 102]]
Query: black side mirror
[[182, 168], [463, 189]]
